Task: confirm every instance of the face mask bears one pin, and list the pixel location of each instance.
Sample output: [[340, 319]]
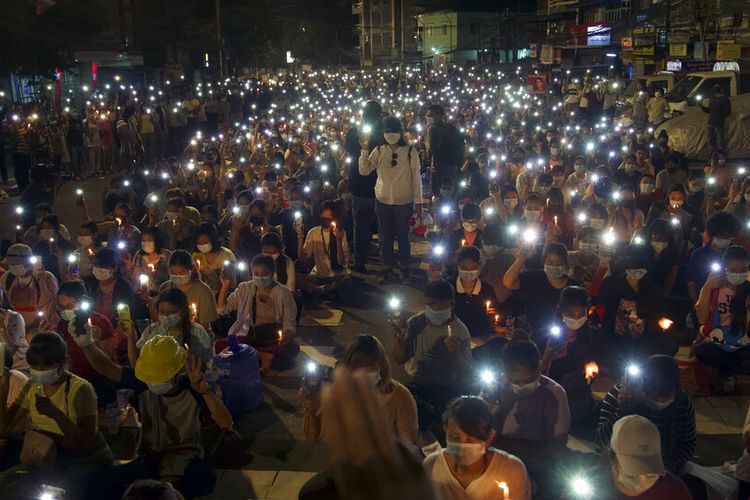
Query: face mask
[[554, 272], [469, 227], [169, 320], [374, 378], [468, 275], [647, 188], [597, 223], [243, 209], [446, 193], [179, 279], [46, 234], [629, 167], [722, 242], [696, 187], [18, 270], [573, 323], [67, 314], [638, 484], [658, 246], [636, 274], [101, 273], [392, 137], [171, 215], [736, 278], [45, 377], [532, 214], [543, 190], [588, 248], [256, 220], [554, 151], [578, 167], [511, 203], [465, 453], [262, 281], [148, 246], [297, 204], [659, 405], [525, 390], [85, 241], [160, 389], [437, 317], [490, 251], [205, 248], [675, 203]]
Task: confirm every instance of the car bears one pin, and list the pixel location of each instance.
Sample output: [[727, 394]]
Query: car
[[688, 132]]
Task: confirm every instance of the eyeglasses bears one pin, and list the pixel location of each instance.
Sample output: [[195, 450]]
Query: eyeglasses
[[394, 158]]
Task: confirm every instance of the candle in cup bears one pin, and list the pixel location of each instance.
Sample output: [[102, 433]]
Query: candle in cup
[[591, 370]]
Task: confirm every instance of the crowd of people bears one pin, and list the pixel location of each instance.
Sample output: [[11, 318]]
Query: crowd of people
[[565, 248]]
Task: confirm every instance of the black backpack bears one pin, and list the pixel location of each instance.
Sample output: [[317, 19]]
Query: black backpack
[[453, 149]]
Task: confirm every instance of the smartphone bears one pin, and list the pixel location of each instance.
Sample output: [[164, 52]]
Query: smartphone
[[81, 317], [123, 314]]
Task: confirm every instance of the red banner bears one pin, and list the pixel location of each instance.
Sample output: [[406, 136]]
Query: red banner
[[537, 84]]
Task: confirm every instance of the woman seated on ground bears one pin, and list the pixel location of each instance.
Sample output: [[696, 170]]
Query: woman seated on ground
[[64, 433], [212, 259], [265, 311], [184, 275], [272, 245], [174, 397], [175, 320], [468, 467], [367, 353], [151, 260]]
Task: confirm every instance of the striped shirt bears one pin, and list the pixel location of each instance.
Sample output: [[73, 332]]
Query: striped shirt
[[676, 425]]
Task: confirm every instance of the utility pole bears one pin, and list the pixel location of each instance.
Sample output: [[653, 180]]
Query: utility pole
[[219, 38], [403, 28], [667, 28]]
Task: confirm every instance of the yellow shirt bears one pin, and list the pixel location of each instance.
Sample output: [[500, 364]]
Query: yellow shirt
[[75, 397]]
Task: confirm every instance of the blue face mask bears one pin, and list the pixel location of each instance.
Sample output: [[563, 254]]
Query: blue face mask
[[437, 317], [262, 281], [168, 321]]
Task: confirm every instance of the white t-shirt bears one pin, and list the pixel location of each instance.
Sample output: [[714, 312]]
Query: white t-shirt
[[503, 467]]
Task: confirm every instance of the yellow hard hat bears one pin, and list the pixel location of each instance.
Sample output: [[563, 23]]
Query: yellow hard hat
[[161, 358]]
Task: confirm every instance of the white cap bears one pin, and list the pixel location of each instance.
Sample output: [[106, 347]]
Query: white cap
[[637, 444]]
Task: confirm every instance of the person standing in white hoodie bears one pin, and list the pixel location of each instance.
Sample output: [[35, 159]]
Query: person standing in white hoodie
[[398, 190]]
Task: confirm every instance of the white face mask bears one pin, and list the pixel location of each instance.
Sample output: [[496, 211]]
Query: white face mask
[[205, 248], [102, 273], [647, 188], [160, 389], [638, 484], [45, 377], [490, 251], [171, 215], [392, 137], [18, 270], [722, 242], [636, 274], [736, 278], [573, 323], [85, 241], [510, 203], [469, 227], [526, 389], [588, 248], [179, 279], [554, 272], [148, 246], [468, 275], [465, 453], [532, 214], [675, 203]]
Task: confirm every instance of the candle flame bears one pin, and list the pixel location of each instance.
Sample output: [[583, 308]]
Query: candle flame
[[665, 324], [591, 370]]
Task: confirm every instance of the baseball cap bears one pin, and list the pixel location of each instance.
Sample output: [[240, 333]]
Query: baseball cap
[[18, 253], [637, 444]]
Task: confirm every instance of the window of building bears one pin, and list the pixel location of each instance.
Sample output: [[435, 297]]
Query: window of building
[[474, 28], [445, 30]]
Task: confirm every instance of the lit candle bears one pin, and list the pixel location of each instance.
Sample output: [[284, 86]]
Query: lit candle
[[118, 221], [591, 370], [497, 319], [665, 324], [89, 323], [91, 252], [194, 308], [504, 487], [487, 305], [463, 242], [555, 219], [280, 336]]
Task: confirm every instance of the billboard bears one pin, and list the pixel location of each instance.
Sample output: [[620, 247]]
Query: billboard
[[598, 34]]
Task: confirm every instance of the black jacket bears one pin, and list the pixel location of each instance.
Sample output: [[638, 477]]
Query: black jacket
[[362, 185]]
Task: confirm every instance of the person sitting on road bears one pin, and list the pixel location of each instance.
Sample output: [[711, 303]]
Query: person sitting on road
[[434, 348], [468, 467]]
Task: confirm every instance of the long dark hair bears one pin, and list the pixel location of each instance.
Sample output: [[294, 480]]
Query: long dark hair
[[177, 298]]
